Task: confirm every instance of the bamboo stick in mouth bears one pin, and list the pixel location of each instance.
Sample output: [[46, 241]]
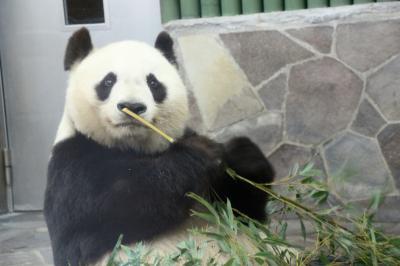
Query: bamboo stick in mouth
[[147, 124]]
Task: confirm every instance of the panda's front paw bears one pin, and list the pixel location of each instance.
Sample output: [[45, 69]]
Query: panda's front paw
[[213, 151], [246, 158]]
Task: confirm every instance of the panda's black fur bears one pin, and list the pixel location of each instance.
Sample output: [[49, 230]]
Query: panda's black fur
[[95, 193]]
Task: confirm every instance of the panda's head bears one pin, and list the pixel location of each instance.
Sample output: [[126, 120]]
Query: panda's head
[[123, 74]]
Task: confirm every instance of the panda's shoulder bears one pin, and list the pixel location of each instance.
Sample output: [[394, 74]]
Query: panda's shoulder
[[80, 150], [73, 146]]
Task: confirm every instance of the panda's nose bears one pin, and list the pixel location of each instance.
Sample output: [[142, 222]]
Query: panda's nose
[[137, 108]]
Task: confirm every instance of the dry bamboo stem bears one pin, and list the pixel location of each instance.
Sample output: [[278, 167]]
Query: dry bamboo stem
[[147, 124]]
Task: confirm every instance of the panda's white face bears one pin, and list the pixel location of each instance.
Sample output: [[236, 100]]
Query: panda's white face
[[126, 74]]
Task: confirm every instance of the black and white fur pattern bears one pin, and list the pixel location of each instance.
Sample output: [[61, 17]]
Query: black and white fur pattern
[[109, 175]]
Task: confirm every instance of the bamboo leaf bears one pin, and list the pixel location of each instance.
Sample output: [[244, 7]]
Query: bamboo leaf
[[112, 258]]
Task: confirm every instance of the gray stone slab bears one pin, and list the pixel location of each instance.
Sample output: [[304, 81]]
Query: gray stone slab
[[287, 156], [388, 211], [237, 108], [365, 45], [195, 120], [265, 130], [273, 93], [222, 92], [389, 140], [356, 168], [262, 53], [319, 37], [323, 95], [368, 121], [384, 88]]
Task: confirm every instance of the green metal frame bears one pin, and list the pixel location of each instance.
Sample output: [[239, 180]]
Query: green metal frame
[[231, 7], [273, 5], [177, 9], [317, 3], [252, 6], [295, 4], [210, 8], [190, 8]]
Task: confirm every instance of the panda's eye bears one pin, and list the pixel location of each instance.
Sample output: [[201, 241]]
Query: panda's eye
[[103, 89], [109, 80], [157, 88], [152, 82]]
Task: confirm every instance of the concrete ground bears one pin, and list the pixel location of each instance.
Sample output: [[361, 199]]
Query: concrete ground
[[24, 239]]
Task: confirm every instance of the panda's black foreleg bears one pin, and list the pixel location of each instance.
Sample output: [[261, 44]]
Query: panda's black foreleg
[[243, 156]]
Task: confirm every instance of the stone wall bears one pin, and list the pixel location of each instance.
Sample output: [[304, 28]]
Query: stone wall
[[315, 85]]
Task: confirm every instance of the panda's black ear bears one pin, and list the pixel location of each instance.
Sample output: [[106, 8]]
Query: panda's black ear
[[78, 47], [165, 44]]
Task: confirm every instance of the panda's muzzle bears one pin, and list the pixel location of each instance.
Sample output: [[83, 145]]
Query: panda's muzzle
[[137, 108]]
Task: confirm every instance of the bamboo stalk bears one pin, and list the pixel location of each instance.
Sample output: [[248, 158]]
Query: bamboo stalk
[[148, 124]]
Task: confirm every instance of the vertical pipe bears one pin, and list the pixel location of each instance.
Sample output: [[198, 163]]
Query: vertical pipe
[[317, 3], [362, 1], [295, 4], [169, 10], [210, 8], [6, 144], [273, 5], [231, 7], [190, 8], [340, 2], [252, 6]]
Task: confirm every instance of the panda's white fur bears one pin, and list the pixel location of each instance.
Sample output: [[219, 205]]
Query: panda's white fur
[[131, 61]]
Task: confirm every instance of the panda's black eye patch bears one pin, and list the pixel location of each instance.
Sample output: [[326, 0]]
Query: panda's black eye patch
[[103, 89], [157, 88]]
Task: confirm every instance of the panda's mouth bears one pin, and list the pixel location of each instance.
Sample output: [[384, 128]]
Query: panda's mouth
[[129, 124]]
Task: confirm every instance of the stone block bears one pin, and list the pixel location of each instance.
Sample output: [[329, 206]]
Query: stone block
[[195, 120], [222, 91], [368, 121], [356, 167], [320, 37], [323, 95], [366, 45], [384, 89], [287, 156], [389, 140], [273, 93], [262, 53], [388, 211], [265, 130]]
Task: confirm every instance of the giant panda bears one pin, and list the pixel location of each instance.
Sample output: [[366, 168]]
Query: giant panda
[[109, 175]]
